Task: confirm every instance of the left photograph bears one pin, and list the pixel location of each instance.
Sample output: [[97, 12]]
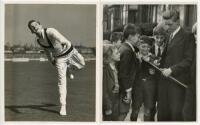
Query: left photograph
[[50, 57]]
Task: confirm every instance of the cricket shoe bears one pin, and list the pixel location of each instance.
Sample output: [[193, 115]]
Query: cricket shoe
[[63, 110]]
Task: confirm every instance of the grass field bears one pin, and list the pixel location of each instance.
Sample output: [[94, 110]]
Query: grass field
[[31, 93]]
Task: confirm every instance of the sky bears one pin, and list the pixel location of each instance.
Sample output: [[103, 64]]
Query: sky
[[76, 22]]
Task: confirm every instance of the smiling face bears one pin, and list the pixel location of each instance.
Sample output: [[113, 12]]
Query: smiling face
[[36, 28], [144, 48]]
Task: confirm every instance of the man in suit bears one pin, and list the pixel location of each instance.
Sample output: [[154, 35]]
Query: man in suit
[[127, 67], [176, 62], [60, 53]]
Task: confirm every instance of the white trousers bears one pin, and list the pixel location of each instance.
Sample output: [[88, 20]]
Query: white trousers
[[73, 58]]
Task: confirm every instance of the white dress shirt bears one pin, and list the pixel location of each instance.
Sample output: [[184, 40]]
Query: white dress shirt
[[161, 49], [175, 32]]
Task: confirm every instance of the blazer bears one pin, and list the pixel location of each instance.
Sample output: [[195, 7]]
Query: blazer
[[143, 72], [178, 55], [128, 66]]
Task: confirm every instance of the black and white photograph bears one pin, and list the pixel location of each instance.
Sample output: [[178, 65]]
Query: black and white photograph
[[50, 62], [149, 62]]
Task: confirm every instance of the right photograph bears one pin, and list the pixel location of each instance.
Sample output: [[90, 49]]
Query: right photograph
[[149, 62]]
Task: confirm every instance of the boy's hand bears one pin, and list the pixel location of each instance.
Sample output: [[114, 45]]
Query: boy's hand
[[127, 99], [156, 62], [116, 88]]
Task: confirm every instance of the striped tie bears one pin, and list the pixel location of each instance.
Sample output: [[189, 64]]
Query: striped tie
[[170, 39]]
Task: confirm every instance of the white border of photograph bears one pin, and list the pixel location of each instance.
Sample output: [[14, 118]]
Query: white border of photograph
[[1, 62], [99, 37], [2, 37], [146, 2]]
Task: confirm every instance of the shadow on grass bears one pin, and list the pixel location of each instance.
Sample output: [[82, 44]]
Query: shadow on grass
[[43, 107]]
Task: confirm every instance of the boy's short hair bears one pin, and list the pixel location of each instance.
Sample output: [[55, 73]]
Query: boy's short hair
[[30, 22], [107, 52], [131, 29], [115, 36], [146, 40], [159, 31], [171, 14]]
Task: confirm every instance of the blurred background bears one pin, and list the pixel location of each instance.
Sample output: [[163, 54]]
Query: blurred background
[[147, 16], [76, 22], [115, 17]]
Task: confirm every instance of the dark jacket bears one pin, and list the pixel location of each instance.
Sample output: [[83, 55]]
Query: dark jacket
[[152, 50], [108, 84], [178, 55], [127, 67], [144, 71]]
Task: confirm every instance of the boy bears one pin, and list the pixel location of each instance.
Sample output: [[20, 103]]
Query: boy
[[127, 67], [144, 89], [111, 56], [116, 39]]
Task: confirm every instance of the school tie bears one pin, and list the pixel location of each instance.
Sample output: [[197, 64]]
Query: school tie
[[159, 52]]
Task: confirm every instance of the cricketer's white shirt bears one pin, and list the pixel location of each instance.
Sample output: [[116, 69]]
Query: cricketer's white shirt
[[59, 42]]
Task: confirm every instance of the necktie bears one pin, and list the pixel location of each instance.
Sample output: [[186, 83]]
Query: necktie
[[159, 52]]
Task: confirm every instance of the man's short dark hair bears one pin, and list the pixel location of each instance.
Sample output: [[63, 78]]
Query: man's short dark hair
[[30, 22], [131, 29], [171, 14]]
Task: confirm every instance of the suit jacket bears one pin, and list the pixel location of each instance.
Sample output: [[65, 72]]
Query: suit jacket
[[127, 67], [178, 55]]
